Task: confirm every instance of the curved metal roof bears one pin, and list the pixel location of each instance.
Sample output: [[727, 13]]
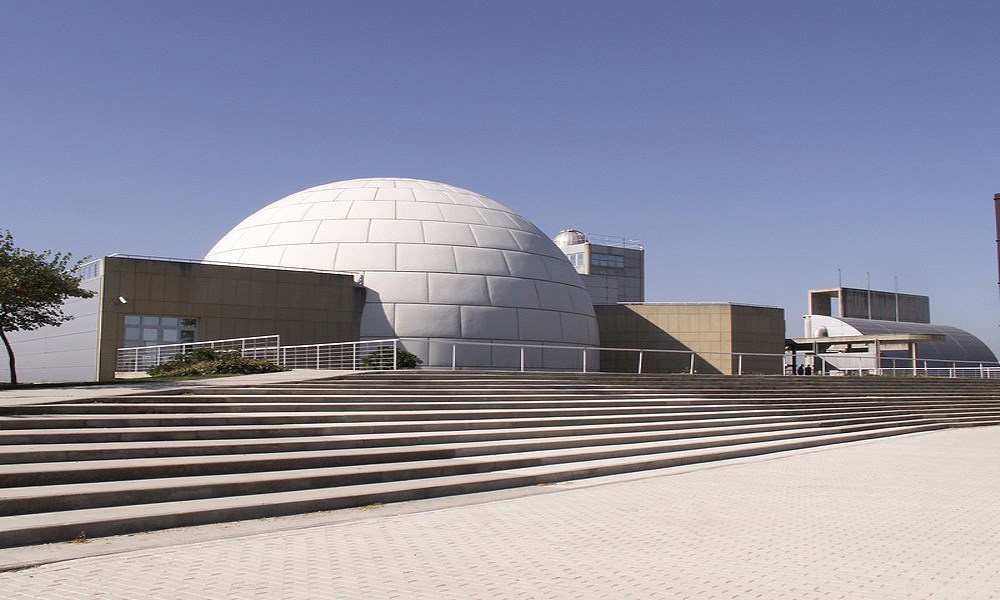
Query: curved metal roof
[[959, 345]]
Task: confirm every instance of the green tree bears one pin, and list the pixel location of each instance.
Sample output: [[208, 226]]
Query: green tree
[[33, 287]]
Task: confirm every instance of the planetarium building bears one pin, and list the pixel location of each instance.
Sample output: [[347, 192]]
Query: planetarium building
[[439, 264]]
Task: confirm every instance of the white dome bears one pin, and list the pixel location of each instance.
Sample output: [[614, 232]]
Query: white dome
[[439, 262]]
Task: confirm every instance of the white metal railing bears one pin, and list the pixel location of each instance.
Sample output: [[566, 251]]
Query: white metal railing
[[350, 356], [143, 358], [865, 364], [344, 356], [88, 270], [979, 372], [460, 354]]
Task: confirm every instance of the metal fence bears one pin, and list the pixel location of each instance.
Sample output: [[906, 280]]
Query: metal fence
[[143, 358], [348, 356], [459, 354], [865, 364], [344, 356]]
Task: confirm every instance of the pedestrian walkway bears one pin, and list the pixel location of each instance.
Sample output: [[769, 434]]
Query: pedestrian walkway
[[907, 517]]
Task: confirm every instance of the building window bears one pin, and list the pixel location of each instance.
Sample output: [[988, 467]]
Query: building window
[[147, 330], [612, 261], [577, 260]]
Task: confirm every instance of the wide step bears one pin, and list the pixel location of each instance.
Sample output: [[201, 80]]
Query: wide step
[[203, 455], [94, 522]]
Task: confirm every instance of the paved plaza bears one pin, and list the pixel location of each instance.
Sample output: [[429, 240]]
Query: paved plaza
[[907, 517]]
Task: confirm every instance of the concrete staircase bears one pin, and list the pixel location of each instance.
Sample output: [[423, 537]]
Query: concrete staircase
[[203, 455]]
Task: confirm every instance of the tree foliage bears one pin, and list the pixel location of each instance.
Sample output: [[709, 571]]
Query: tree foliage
[[33, 288]]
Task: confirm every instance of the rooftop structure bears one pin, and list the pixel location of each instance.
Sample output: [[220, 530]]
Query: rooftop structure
[[613, 269], [870, 304]]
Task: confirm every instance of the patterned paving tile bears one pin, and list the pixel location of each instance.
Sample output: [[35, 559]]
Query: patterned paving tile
[[912, 517]]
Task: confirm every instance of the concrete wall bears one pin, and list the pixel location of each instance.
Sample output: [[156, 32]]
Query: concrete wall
[[712, 331], [229, 302], [885, 306], [759, 330], [912, 308]]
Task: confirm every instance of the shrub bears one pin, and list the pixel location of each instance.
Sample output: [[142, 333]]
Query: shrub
[[382, 359], [205, 361]]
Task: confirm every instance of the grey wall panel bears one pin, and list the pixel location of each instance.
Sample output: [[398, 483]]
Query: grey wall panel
[[512, 291], [485, 261], [458, 289], [554, 296], [399, 287], [378, 319], [451, 234], [64, 353], [395, 231], [525, 265], [425, 258], [489, 322], [539, 325], [428, 320]]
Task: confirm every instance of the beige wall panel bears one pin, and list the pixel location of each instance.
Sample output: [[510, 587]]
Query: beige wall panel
[[705, 329], [229, 302]]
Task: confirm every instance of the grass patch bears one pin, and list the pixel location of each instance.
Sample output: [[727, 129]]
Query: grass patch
[[80, 539]]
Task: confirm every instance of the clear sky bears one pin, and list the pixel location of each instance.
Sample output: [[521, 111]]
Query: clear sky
[[754, 147]]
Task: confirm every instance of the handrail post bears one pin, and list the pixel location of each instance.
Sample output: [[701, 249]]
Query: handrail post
[[739, 364], [522, 359], [454, 352], [584, 360], [691, 368], [639, 370], [395, 343], [354, 356]]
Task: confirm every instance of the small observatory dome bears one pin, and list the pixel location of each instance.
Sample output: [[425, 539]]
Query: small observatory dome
[[439, 263], [570, 237]]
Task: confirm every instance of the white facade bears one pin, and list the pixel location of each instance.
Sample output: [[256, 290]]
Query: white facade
[[439, 262]]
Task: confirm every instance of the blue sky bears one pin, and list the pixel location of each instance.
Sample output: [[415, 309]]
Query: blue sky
[[754, 147]]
